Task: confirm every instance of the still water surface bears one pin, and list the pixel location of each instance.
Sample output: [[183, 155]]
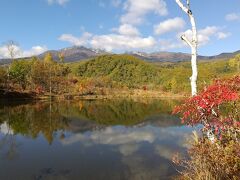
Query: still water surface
[[90, 140]]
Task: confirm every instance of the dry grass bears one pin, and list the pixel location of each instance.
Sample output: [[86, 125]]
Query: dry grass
[[210, 161]]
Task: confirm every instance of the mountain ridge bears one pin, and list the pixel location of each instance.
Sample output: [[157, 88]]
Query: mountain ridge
[[78, 53]]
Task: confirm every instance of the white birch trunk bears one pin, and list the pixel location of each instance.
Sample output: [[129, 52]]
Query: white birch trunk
[[192, 44]]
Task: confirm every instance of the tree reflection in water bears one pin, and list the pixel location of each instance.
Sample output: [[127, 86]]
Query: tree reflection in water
[[117, 139], [47, 118]]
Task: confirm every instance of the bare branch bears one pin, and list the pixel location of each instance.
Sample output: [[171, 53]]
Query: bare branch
[[180, 4], [184, 38]]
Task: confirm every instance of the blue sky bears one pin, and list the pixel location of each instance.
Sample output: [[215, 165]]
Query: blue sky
[[118, 25]]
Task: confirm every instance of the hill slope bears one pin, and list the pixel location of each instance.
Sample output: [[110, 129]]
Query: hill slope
[[125, 69], [132, 72], [162, 56]]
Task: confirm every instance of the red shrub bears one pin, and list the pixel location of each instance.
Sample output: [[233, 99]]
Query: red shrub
[[208, 106]]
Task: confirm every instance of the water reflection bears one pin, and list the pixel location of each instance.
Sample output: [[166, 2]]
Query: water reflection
[[120, 139]]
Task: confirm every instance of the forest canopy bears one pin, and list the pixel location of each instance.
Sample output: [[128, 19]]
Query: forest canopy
[[109, 72]]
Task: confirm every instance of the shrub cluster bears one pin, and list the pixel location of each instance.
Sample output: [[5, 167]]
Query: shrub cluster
[[216, 155]]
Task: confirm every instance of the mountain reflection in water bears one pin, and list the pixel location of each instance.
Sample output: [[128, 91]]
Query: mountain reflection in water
[[102, 139]]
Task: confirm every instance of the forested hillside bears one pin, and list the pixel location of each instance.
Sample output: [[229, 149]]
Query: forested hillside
[[124, 69], [133, 72], [116, 72]]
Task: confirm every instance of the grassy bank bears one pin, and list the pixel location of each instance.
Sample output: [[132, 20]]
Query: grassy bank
[[109, 94]]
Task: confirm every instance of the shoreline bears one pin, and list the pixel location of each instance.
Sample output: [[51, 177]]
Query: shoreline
[[115, 95]]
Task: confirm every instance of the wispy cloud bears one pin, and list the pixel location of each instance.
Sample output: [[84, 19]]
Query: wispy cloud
[[112, 136], [116, 3], [233, 17], [223, 35], [136, 10], [120, 42], [110, 42], [78, 41], [169, 25], [60, 2], [205, 35], [127, 36], [127, 30]]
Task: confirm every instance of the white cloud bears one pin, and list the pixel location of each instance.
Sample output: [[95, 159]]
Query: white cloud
[[6, 129], [120, 42], [205, 35], [136, 10], [60, 2], [113, 136], [83, 40], [129, 140], [233, 17], [35, 50], [128, 149], [19, 53], [161, 142], [169, 25], [126, 38], [128, 30]]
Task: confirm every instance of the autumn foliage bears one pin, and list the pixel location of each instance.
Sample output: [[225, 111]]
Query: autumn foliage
[[216, 107]]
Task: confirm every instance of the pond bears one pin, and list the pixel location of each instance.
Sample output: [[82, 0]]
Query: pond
[[88, 140]]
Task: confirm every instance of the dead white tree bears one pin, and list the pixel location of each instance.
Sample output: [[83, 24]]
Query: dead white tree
[[12, 48], [192, 43]]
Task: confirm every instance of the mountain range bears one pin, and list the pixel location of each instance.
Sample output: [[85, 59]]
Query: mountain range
[[78, 53]]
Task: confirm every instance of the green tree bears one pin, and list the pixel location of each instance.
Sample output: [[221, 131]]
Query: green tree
[[3, 76], [19, 72], [49, 75], [49, 63], [39, 74], [235, 62]]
